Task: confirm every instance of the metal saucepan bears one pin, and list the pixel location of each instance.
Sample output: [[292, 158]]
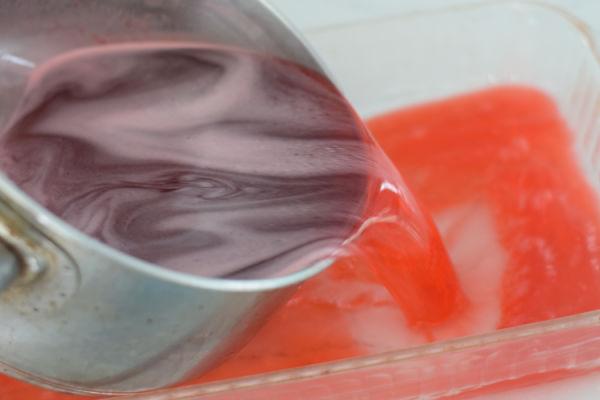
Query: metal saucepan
[[81, 317]]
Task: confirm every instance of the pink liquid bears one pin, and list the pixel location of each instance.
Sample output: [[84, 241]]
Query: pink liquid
[[507, 151], [203, 159]]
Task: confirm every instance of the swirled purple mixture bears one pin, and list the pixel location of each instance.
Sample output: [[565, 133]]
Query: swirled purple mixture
[[207, 160]]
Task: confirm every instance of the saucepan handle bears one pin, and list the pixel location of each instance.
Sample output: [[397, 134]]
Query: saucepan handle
[[26, 254]]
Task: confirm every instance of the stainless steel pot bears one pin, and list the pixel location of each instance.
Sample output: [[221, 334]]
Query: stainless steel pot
[[75, 314]]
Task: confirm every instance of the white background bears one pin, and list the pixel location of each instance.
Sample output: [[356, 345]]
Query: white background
[[307, 14]]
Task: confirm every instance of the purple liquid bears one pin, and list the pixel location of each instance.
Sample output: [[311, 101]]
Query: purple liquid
[[207, 160]]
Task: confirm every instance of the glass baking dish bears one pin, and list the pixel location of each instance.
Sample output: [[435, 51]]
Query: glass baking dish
[[399, 60]]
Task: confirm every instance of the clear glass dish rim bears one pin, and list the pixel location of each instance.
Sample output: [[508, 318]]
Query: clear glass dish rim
[[391, 357]]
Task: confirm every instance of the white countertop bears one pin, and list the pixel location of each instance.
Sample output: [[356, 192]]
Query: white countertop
[[308, 14]]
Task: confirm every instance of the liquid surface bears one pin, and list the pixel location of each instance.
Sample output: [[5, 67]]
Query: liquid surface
[[498, 172], [206, 160]]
